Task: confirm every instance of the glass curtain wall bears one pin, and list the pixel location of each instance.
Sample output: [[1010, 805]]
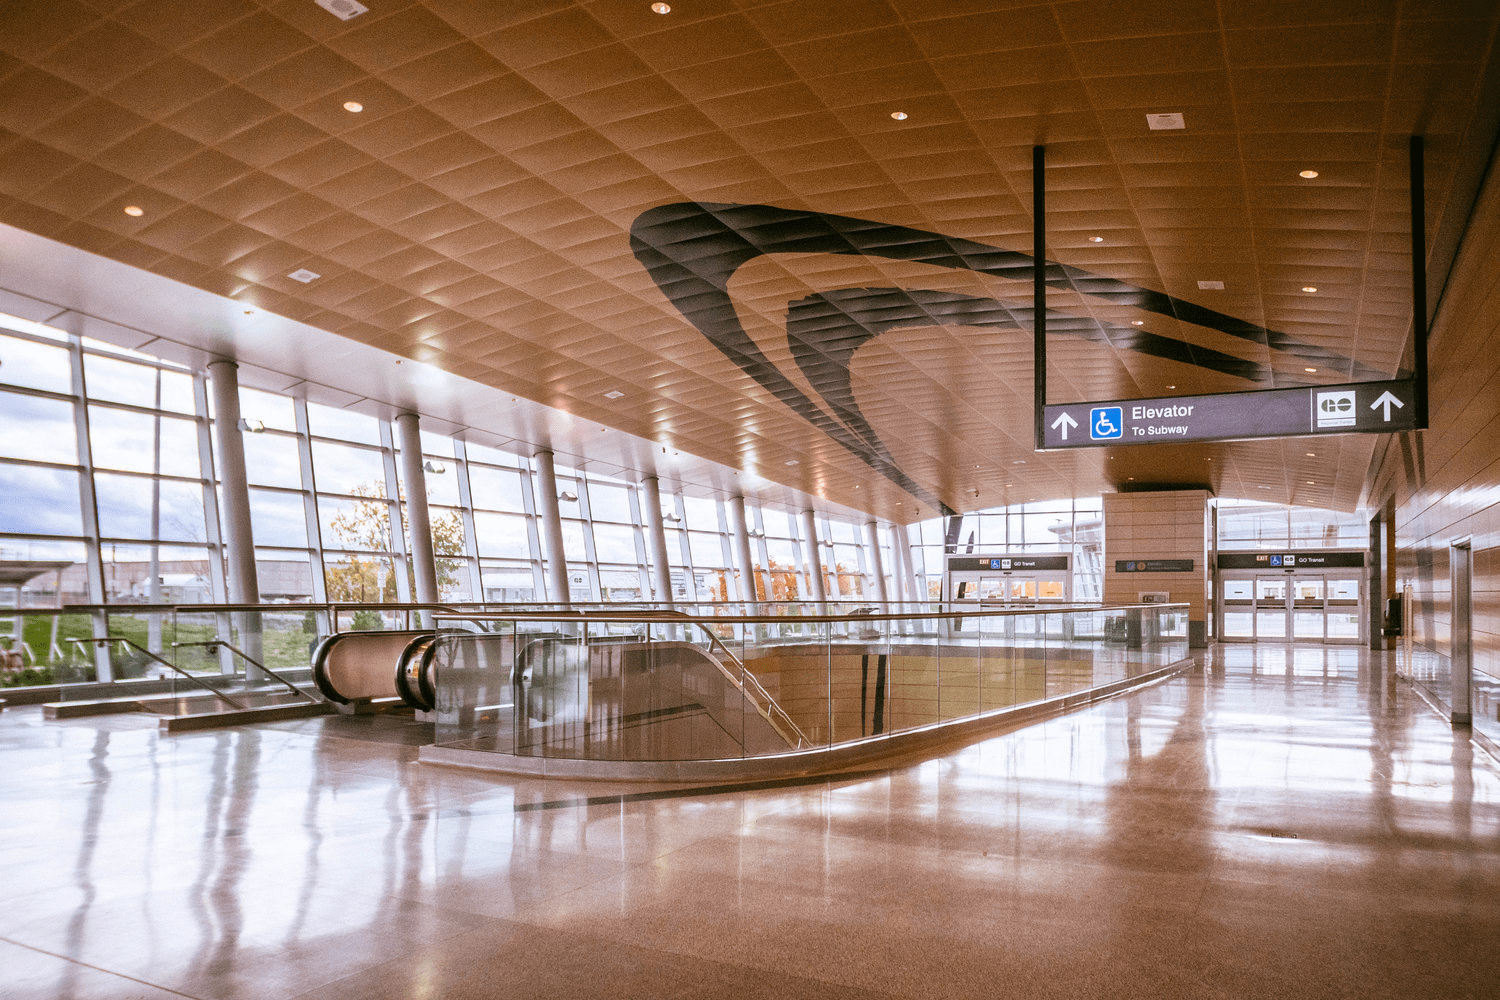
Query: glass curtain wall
[[1072, 526], [108, 471]]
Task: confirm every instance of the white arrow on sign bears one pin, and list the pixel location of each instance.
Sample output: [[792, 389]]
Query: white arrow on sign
[[1386, 400], [1066, 421]]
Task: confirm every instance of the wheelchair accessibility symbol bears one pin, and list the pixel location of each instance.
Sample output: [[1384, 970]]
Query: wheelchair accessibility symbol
[[1106, 423]]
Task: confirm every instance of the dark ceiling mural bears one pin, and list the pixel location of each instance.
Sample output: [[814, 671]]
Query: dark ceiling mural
[[693, 249]]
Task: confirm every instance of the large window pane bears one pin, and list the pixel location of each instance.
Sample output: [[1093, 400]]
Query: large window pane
[[609, 503], [501, 535], [707, 551], [122, 439], [274, 411], [39, 501], [119, 381], [125, 508], [614, 543], [360, 579], [342, 468], [36, 366], [37, 429], [496, 489], [573, 547], [346, 425], [358, 525], [442, 487], [284, 576], [702, 515], [272, 460], [278, 519], [508, 584]]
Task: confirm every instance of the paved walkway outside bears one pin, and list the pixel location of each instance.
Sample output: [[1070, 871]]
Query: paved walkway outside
[[1282, 824]]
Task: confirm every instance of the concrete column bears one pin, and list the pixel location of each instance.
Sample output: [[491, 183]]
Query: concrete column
[[877, 562], [814, 557], [552, 537], [234, 502], [742, 549], [656, 539], [414, 477], [234, 489]]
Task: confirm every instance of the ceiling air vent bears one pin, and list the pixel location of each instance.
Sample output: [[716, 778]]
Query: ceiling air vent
[[1159, 122], [344, 10]]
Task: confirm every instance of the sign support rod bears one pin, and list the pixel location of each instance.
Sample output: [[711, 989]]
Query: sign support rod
[[1419, 280], [1039, 290]]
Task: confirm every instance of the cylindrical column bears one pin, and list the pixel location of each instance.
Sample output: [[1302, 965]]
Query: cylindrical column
[[742, 549], [906, 578], [234, 489], [877, 562], [814, 557], [414, 477], [552, 536], [656, 539]]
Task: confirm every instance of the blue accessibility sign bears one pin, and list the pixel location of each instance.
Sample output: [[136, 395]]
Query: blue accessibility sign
[[1106, 423]]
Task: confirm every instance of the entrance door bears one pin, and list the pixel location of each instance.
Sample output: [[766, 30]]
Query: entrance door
[[1270, 607], [1344, 614], [1309, 615], [1239, 609]]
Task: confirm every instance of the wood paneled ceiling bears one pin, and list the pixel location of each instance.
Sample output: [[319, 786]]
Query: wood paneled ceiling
[[477, 213]]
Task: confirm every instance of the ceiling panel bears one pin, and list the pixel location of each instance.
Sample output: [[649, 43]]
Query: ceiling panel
[[478, 212]]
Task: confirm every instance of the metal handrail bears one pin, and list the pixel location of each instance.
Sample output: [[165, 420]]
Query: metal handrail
[[682, 617], [99, 640], [214, 644], [761, 699]]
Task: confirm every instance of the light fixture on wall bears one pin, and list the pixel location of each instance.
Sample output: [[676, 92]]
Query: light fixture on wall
[[568, 496], [435, 468], [671, 515], [253, 426]]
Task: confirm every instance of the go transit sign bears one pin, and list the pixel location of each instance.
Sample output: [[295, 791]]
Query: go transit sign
[[1355, 408]]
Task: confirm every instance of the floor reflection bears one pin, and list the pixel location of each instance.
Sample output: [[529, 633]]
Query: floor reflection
[[1278, 823]]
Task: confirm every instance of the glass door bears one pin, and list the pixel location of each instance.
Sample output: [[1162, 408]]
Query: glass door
[[1270, 607], [1309, 616], [1239, 608], [1343, 609]]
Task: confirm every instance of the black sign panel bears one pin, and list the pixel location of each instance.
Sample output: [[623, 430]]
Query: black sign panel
[[1153, 565], [1005, 564], [1291, 560], [1353, 408]]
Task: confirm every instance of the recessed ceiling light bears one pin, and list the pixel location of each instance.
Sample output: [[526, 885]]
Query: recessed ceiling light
[[1096, 239], [1311, 483], [344, 10], [1309, 288], [135, 211], [1210, 286], [1131, 478], [900, 116], [1137, 322], [353, 107], [1312, 454], [1309, 369], [1019, 461], [1171, 387], [662, 8], [303, 275], [791, 461], [1309, 174], [1262, 487], [613, 394], [1171, 120]]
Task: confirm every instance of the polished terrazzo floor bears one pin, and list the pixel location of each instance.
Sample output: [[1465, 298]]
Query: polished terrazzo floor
[[1283, 823]]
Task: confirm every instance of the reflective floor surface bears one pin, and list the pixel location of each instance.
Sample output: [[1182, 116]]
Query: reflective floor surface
[[1283, 823]]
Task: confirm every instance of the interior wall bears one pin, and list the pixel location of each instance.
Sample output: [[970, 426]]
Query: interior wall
[[1444, 482], [1159, 525]]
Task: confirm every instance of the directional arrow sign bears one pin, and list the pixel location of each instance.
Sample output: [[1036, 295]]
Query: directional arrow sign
[[1387, 400], [1353, 408]]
